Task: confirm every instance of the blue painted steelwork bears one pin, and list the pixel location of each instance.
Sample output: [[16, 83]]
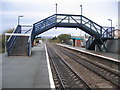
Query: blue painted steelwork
[[29, 46], [98, 33], [11, 41]]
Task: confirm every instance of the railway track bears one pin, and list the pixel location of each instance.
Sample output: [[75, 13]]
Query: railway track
[[64, 76], [111, 76]]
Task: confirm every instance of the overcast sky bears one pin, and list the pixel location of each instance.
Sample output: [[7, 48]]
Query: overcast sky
[[35, 10]]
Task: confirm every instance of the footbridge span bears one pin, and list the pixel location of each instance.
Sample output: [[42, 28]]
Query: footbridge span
[[98, 34]]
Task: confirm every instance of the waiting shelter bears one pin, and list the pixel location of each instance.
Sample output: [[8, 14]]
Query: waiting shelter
[[76, 41]]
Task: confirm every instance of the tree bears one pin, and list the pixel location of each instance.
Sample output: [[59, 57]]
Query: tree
[[54, 38], [64, 38]]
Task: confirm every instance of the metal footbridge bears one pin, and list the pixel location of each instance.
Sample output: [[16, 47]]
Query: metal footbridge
[[98, 34]]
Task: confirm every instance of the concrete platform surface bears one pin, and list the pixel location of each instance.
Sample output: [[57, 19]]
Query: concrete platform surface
[[26, 72], [114, 56]]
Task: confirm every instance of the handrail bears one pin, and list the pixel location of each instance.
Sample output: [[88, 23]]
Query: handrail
[[28, 30], [43, 23], [44, 19], [108, 31], [13, 32], [29, 46], [12, 39], [78, 20], [26, 25], [79, 16], [91, 21], [67, 15], [85, 21]]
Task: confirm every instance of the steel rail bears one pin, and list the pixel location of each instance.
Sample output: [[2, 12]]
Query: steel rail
[[73, 72], [55, 69], [90, 65]]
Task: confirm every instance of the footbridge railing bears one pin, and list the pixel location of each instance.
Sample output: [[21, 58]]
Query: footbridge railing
[[44, 23], [73, 21], [12, 39], [68, 20]]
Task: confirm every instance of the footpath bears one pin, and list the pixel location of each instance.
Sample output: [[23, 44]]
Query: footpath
[[27, 72]]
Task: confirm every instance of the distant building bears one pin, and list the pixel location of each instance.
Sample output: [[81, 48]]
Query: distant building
[[76, 41], [119, 15]]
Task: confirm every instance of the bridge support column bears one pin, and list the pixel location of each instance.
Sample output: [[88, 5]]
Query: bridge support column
[[73, 42], [98, 47]]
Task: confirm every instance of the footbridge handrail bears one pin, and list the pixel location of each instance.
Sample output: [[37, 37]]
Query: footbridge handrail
[[29, 44], [12, 39], [108, 32], [70, 19], [97, 32], [45, 22], [74, 21]]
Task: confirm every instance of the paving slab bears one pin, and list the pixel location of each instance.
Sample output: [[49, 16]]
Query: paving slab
[[105, 54], [26, 72]]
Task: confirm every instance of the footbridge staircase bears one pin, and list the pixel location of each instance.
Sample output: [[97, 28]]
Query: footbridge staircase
[[98, 34]]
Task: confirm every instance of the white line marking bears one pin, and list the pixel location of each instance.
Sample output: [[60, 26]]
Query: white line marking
[[52, 85], [112, 59]]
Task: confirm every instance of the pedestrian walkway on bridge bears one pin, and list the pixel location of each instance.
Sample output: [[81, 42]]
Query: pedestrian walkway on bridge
[[27, 72]]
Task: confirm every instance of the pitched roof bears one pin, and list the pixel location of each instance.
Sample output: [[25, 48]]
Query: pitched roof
[[76, 38]]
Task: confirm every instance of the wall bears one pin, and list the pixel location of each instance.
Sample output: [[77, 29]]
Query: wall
[[113, 45], [77, 43]]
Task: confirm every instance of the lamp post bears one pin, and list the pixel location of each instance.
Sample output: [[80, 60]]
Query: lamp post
[[81, 9], [81, 19], [56, 13], [19, 19], [56, 8], [111, 23], [111, 26]]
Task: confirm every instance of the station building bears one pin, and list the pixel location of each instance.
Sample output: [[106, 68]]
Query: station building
[[78, 42]]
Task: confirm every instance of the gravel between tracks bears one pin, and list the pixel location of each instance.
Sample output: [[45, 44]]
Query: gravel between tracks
[[91, 78], [69, 78]]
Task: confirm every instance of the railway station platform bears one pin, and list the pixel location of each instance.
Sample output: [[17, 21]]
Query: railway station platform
[[27, 72], [108, 55]]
